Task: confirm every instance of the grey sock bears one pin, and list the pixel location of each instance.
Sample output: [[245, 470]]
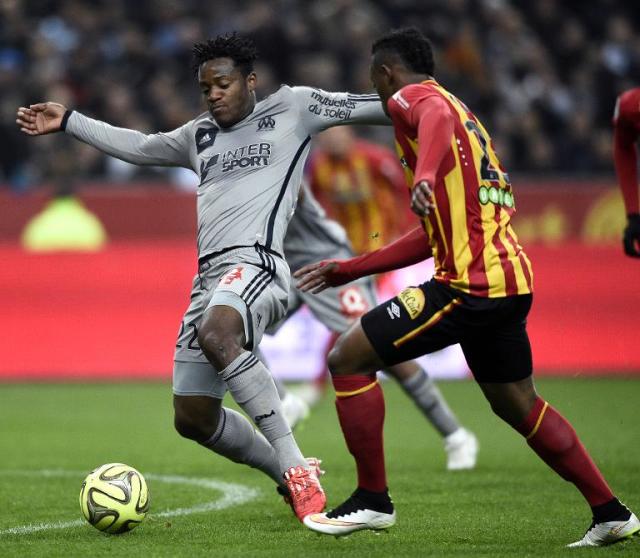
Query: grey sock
[[426, 395], [282, 391], [237, 440], [252, 387]]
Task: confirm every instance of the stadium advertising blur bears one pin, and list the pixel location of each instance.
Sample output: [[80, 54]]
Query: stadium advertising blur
[[112, 310]]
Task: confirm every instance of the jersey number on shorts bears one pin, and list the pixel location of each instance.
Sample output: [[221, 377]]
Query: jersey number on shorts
[[193, 340]]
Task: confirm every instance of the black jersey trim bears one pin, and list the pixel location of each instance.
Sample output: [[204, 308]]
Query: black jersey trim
[[251, 295], [249, 344], [363, 98], [283, 189], [65, 119], [246, 364], [258, 290], [257, 285], [208, 257]]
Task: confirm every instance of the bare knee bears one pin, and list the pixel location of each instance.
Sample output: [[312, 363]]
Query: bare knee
[[353, 354], [196, 417], [336, 363], [221, 336], [218, 346], [512, 402]]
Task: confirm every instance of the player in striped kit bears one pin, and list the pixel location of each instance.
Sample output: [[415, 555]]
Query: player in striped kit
[[249, 157], [312, 236], [480, 297], [361, 186], [626, 131]]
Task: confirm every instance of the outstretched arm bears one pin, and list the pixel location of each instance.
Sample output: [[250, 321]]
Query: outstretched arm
[[40, 119], [407, 250], [321, 109], [626, 163], [165, 149]]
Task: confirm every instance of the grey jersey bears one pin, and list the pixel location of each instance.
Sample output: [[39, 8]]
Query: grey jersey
[[249, 173], [312, 236]]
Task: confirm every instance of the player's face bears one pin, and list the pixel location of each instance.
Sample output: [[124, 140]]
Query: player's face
[[229, 94], [382, 82]]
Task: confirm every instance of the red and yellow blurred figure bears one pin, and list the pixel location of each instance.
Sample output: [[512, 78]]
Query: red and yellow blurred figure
[[361, 185], [626, 126], [475, 249]]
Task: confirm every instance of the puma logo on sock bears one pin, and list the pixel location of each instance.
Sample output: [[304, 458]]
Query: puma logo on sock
[[261, 417]]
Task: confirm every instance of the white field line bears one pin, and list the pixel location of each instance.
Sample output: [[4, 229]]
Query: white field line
[[232, 495]]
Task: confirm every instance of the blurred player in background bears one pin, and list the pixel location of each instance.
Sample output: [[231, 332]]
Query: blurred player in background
[[361, 186], [626, 130], [249, 157], [311, 237], [480, 297]]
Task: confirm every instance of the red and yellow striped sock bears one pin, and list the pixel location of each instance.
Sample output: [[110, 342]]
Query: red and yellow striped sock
[[553, 438], [360, 406]]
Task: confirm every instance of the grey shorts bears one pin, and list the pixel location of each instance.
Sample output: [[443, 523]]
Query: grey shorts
[[337, 307], [252, 281]]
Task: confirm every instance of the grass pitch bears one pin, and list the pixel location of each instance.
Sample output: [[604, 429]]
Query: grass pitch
[[51, 436]]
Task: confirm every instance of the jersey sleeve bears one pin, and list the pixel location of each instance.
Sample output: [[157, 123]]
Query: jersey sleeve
[[163, 149], [624, 152], [321, 109], [407, 250], [427, 113]]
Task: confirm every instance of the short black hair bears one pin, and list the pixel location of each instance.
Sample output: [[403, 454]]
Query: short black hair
[[240, 49], [413, 48]]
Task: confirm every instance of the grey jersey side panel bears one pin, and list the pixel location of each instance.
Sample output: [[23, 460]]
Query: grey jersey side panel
[[249, 173], [312, 236]]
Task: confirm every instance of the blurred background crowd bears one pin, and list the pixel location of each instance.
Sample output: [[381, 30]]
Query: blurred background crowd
[[542, 75]]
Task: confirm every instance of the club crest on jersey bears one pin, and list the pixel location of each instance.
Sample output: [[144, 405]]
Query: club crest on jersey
[[205, 138], [266, 123], [412, 299]]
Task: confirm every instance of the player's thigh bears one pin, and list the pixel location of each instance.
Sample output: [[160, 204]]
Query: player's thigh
[[497, 346], [337, 308], [420, 320], [353, 354]]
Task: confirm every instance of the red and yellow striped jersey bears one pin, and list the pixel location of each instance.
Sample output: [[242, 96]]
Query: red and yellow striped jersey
[[474, 246], [364, 191], [626, 131]]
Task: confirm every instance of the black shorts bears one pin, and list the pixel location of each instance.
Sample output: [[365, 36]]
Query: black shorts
[[420, 320]]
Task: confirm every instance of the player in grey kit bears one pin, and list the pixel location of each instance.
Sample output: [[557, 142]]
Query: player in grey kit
[[313, 237], [249, 156]]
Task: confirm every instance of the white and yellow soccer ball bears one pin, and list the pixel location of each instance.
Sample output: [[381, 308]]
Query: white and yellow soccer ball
[[114, 498]]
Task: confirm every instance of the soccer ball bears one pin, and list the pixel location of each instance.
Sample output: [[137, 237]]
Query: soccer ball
[[114, 498]]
